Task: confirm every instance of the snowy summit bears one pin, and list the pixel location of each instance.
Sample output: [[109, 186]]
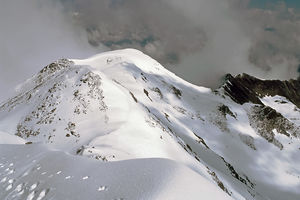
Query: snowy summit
[[120, 126]]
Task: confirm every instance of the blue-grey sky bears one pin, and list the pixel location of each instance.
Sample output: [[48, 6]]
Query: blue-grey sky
[[266, 3]]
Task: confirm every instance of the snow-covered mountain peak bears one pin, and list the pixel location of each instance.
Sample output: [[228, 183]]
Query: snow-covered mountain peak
[[123, 105]]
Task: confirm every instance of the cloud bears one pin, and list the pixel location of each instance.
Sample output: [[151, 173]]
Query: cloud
[[155, 27], [33, 34], [241, 39], [227, 46], [200, 40], [276, 43]]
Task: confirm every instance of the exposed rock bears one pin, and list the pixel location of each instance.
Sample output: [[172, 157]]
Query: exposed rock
[[218, 181], [240, 90], [157, 90], [248, 140], [226, 111], [242, 178], [51, 69], [176, 91], [265, 120], [245, 88]]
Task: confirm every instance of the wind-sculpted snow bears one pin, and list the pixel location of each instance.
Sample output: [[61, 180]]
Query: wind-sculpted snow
[[35, 172], [123, 105]]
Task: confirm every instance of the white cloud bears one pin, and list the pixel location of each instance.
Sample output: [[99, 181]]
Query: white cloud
[[33, 34]]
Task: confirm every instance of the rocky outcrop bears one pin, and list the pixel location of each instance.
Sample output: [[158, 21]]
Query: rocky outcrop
[[245, 88]]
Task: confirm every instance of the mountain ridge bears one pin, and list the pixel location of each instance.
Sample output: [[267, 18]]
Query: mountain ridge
[[244, 83], [123, 105]]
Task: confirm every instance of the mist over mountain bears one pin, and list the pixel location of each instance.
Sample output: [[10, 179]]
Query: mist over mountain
[[138, 99], [198, 40]]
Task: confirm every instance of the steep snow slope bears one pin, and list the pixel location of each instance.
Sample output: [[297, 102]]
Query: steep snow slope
[[123, 105]]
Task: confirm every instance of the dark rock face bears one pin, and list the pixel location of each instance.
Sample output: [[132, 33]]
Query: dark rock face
[[245, 88], [240, 89], [264, 119]]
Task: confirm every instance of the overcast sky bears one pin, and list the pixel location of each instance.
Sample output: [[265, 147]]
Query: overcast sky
[[200, 40]]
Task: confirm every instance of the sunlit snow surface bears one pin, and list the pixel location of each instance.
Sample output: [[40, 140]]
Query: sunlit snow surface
[[283, 106], [34, 172], [168, 139]]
